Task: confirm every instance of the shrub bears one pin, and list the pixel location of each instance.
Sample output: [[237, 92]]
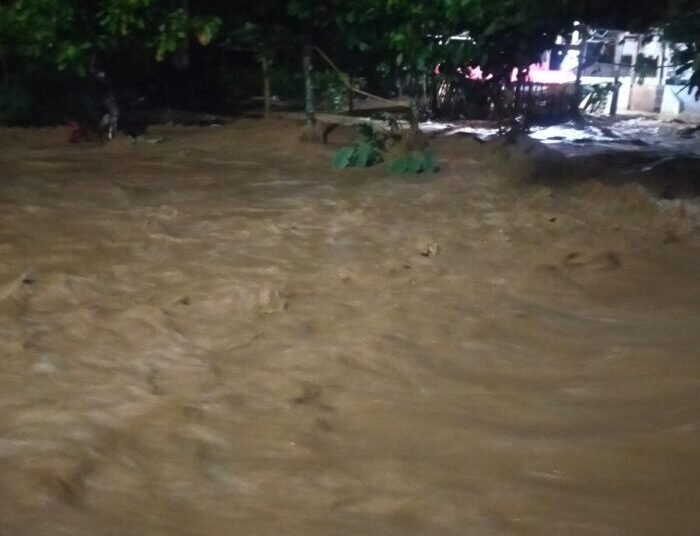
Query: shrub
[[368, 151], [415, 162]]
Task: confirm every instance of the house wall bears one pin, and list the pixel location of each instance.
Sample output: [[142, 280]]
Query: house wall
[[642, 98], [671, 103]]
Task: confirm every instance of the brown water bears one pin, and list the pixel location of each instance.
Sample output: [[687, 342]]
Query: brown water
[[219, 335]]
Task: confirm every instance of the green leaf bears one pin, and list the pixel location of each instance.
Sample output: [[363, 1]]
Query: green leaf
[[414, 164], [367, 132], [343, 157], [430, 162], [364, 154], [398, 166]]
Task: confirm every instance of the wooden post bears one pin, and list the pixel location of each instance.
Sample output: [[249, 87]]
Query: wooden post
[[616, 92]]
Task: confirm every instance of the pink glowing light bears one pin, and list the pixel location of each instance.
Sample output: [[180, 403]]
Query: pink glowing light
[[475, 73], [536, 73], [539, 75]]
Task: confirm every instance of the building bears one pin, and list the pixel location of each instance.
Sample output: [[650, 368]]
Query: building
[[641, 66]]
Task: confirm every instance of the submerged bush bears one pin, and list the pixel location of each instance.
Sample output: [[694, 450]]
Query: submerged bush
[[415, 162], [367, 151]]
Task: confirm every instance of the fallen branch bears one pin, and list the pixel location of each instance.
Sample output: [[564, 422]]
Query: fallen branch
[[345, 120], [346, 79]]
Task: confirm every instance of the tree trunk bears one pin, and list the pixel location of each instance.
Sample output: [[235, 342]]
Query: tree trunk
[[181, 59], [414, 113], [310, 132], [108, 112], [518, 106], [617, 59], [516, 100], [309, 104], [529, 116], [432, 103], [267, 95]]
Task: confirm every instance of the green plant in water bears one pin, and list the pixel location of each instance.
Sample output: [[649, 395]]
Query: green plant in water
[[414, 163], [368, 151]]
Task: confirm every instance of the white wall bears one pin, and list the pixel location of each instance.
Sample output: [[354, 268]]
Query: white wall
[[671, 104]]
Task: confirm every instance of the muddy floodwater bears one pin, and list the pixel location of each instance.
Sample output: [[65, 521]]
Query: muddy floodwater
[[220, 335]]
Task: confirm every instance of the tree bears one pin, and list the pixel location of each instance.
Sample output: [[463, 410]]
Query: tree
[[497, 35], [411, 37], [312, 20], [262, 28], [80, 37], [508, 36], [45, 30], [682, 25], [679, 21]]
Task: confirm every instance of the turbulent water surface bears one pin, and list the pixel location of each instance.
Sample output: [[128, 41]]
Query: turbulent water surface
[[220, 335]]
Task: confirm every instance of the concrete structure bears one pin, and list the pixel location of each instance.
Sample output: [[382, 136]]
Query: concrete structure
[[642, 67]]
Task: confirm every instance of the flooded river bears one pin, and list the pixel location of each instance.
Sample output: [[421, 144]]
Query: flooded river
[[220, 335]]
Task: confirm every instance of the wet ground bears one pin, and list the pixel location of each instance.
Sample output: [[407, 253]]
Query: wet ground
[[221, 335]]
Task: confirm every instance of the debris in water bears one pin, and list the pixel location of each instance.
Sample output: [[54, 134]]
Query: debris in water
[[430, 249], [271, 301], [45, 365], [8, 289]]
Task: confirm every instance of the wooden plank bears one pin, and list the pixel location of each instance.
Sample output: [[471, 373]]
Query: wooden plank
[[346, 120]]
